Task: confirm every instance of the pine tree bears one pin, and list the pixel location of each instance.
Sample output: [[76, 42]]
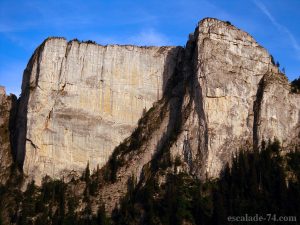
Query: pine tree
[[28, 204], [219, 213], [70, 218], [102, 219]]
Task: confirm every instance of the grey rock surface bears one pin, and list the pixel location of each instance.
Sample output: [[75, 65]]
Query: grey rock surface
[[218, 94], [241, 95], [227, 95], [80, 100]]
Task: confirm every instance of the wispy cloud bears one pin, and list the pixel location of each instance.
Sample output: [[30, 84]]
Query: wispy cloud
[[13, 26], [144, 37], [28, 44], [10, 28], [279, 26], [149, 37]]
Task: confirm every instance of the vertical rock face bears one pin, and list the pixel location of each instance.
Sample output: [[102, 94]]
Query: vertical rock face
[[225, 94], [229, 66], [240, 99], [278, 112], [6, 159], [80, 100]]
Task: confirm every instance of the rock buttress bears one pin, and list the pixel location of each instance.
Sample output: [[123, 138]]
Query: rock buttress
[[80, 100], [219, 94], [224, 94]]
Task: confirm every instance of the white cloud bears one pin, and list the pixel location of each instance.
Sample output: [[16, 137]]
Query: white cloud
[[149, 37], [279, 26], [15, 27]]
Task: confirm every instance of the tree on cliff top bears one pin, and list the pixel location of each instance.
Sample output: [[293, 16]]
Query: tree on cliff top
[[295, 85]]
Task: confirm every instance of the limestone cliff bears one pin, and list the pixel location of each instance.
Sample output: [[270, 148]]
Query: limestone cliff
[[278, 111], [80, 100], [225, 94], [234, 107], [7, 108]]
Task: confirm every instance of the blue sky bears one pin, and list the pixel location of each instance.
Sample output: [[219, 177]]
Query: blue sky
[[24, 24]]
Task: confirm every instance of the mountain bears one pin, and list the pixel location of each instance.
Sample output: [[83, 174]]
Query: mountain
[[140, 113], [225, 94], [80, 100]]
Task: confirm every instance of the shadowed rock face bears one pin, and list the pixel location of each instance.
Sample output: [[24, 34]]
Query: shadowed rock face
[[221, 92], [7, 108], [227, 94]]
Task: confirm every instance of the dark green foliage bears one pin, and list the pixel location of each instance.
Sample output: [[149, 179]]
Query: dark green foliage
[[228, 23], [52, 204], [272, 60], [178, 200], [71, 217], [87, 42], [75, 39], [52, 190], [87, 174], [127, 213], [86, 177], [255, 183], [295, 85], [28, 204], [113, 164], [178, 197], [94, 186], [102, 218], [90, 42]]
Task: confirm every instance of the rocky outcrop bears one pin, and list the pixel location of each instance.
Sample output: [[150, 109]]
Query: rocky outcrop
[[80, 100], [278, 114], [225, 94], [229, 66], [239, 96], [7, 109]]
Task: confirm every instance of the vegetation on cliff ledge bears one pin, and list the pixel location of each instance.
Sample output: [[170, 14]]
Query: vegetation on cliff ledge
[[295, 85]]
